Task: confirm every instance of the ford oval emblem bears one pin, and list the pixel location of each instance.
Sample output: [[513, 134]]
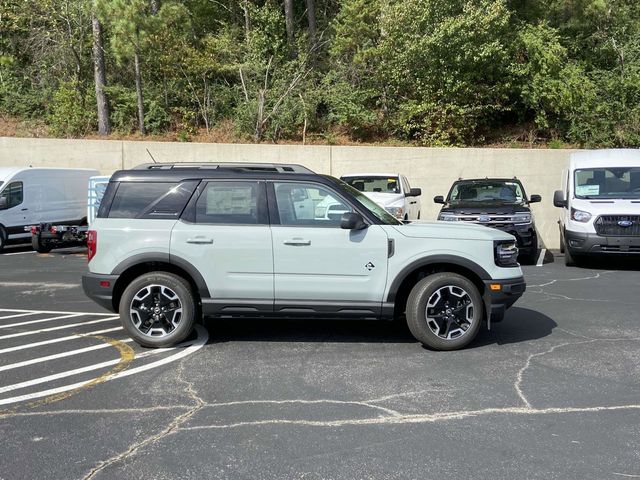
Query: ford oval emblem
[[484, 218], [625, 223]]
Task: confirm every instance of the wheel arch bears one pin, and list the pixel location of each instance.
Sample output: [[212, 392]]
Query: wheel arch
[[138, 265], [415, 271]]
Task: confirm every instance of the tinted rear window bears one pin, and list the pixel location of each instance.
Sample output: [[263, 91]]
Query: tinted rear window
[[150, 200]]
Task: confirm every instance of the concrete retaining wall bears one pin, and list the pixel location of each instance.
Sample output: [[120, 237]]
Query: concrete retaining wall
[[432, 169]]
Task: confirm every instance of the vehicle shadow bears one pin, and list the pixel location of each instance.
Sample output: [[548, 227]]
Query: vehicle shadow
[[607, 263], [519, 325], [301, 330]]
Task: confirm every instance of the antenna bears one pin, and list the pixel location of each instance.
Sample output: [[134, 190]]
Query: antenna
[[154, 160]]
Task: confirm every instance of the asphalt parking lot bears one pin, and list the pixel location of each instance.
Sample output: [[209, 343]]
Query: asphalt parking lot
[[551, 392]]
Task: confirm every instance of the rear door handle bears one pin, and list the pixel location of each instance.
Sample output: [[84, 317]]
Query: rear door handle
[[298, 242], [200, 240]]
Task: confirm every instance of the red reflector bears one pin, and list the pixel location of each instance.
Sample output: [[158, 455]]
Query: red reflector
[[92, 244], [34, 230], [105, 283]]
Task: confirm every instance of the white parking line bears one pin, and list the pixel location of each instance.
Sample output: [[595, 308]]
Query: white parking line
[[19, 253], [202, 338], [68, 353], [17, 310], [76, 371], [543, 252], [52, 329], [18, 315], [30, 322], [57, 340]]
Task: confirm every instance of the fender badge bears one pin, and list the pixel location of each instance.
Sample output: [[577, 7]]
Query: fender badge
[[369, 266]]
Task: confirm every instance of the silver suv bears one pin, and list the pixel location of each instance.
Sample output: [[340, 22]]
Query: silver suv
[[174, 242]]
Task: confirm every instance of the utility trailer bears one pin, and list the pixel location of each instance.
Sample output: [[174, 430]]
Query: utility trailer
[[47, 236]]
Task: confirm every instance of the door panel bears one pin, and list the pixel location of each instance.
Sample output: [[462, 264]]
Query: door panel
[[229, 242], [316, 260]]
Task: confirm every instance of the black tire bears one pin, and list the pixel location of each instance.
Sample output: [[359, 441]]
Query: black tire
[[449, 288], [3, 239], [146, 320], [571, 259], [39, 245], [561, 242]]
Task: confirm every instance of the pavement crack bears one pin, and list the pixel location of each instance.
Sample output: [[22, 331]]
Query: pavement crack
[[592, 277], [199, 403], [519, 377]]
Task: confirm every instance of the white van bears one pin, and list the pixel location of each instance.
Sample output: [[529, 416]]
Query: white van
[[30, 196], [600, 198]]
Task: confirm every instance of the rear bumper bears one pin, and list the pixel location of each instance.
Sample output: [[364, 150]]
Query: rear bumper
[[593, 244], [99, 288], [502, 296]]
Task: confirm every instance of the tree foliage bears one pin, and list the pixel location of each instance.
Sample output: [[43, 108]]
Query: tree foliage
[[430, 72]]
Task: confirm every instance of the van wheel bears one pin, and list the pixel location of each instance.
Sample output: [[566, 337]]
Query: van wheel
[[39, 245], [444, 311], [3, 239], [571, 260], [158, 309]]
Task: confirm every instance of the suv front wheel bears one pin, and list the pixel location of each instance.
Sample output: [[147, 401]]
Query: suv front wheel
[[158, 309], [444, 311]]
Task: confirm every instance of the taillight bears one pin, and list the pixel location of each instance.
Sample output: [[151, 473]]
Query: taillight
[[92, 244]]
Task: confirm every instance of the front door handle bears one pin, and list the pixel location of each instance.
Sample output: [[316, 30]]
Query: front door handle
[[24, 209], [200, 241], [298, 242]]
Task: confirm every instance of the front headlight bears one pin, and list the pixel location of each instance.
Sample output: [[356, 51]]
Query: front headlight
[[580, 216], [447, 217], [522, 218], [397, 212], [506, 254]]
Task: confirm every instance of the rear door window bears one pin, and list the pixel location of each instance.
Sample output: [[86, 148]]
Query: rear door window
[[164, 200]]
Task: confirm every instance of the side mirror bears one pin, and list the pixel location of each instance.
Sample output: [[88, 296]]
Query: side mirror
[[439, 199], [535, 199], [3, 203], [414, 192], [558, 199], [352, 221]]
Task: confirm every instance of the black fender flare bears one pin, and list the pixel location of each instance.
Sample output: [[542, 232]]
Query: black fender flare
[[179, 262], [433, 260]]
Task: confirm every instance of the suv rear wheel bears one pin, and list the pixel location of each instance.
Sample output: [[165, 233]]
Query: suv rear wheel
[[158, 309], [444, 311]]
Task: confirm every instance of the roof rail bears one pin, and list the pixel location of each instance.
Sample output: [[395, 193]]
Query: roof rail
[[243, 167]]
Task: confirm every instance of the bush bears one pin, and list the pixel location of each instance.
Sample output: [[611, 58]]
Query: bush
[[72, 111]]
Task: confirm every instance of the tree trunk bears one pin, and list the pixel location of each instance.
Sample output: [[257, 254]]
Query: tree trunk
[[143, 130], [155, 7], [100, 79], [311, 16], [288, 16], [247, 19]]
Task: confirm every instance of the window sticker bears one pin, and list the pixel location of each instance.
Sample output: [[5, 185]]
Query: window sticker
[[587, 190]]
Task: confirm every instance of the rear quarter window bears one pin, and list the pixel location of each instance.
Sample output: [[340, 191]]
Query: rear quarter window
[[164, 200]]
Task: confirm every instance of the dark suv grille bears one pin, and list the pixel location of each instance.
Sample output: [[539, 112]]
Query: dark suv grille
[[610, 225]]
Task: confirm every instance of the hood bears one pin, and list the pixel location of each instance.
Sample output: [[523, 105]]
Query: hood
[[451, 230], [478, 208], [385, 199], [607, 207]]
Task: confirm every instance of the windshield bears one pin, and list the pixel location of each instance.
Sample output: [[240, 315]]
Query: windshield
[[371, 184], [609, 182], [491, 191], [380, 213]]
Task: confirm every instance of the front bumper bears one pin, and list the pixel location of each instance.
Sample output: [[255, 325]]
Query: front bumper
[[99, 288], [526, 237], [503, 294], [580, 243]]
